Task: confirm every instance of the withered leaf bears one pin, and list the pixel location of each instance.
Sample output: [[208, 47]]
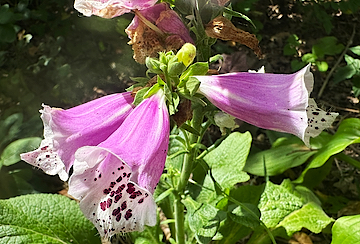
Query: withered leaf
[[222, 28]]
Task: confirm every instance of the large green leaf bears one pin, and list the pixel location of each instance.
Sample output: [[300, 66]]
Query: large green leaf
[[44, 218], [11, 153], [204, 219], [228, 159], [346, 230], [348, 133], [290, 153], [276, 203], [310, 216]]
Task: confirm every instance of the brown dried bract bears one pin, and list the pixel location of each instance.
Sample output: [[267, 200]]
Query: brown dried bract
[[222, 28], [184, 112], [145, 43]]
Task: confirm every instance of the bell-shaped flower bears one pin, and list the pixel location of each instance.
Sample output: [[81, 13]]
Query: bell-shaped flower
[[115, 180], [277, 102], [156, 29], [110, 8], [67, 130]]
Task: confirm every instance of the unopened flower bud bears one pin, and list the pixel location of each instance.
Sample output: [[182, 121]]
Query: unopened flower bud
[[186, 54]]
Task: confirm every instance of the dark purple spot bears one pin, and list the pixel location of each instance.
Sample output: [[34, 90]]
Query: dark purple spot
[[124, 174], [119, 179], [44, 148], [103, 206], [112, 193], [129, 174], [48, 156], [118, 168], [112, 184], [123, 206], [105, 231], [135, 194], [128, 214], [117, 198], [95, 179], [93, 214], [99, 175], [130, 188], [106, 191], [113, 173], [315, 113], [112, 229], [328, 113], [108, 202], [115, 211], [323, 120], [122, 167], [316, 128], [118, 217], [141, 200], [146, 195], [84, 179]]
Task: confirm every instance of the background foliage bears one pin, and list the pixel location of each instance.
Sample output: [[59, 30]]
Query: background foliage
[[50, 54]]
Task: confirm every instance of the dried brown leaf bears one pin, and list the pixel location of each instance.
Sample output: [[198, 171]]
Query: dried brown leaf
[[222, 28]]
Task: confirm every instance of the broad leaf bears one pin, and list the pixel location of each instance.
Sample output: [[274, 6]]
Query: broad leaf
[[11, 153], [44, 218], [310, 216], [289, 154], [276, 203], [346, 230], [229, 158]]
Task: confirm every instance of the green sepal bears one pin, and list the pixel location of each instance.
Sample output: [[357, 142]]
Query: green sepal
[[153, 65], [216, 58], [153, 90], [160, 81], [175, 68], [199, 68], [190, 129], [139, 96], [190, 88], [173, 103]]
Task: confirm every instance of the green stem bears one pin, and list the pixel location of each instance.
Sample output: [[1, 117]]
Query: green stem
[[348, 159], [187, 167]]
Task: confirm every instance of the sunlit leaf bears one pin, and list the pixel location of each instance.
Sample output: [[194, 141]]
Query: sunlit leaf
[[346, 230]]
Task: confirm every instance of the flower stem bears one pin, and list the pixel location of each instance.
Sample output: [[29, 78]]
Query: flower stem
[[187, 168]]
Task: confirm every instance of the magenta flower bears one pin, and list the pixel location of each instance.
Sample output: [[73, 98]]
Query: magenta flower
[[277, 102], [67, 130], [114, 180], [110, 8]]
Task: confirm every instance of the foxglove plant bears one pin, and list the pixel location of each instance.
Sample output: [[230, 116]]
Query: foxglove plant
[[67, 130], [115, 180]]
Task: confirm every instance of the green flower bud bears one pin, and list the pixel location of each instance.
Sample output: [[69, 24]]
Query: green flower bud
[[186, 54]]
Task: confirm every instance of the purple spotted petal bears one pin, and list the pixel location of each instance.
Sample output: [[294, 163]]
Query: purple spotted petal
[[272, 101], [110, 8], [114, 181], [67, 130]]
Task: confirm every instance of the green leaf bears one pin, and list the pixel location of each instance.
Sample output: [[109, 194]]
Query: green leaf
[[7, 33], [322, 66], [327, 46], [5, 14], [228, 159], [309, 58], [237, 14], [139, 97], [355, 50], [199, 68], [203, 219], [348, 133], [44, 218], [242, 216], [346, 230], [291, 153], [310, 216], [11, 153], [276, 203]]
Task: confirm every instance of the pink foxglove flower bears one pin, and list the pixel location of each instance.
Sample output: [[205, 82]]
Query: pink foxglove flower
[[277, 102], [67, 130], [115, 180], [110, 8]]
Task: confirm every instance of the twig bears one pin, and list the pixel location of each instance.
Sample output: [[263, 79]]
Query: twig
[[337, 62]]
